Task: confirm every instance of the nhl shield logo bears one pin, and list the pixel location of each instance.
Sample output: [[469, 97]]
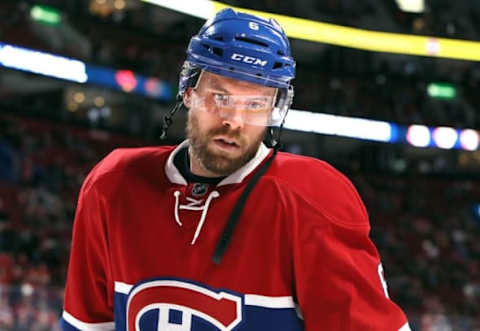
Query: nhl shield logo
[[174, 305], [199, 189]]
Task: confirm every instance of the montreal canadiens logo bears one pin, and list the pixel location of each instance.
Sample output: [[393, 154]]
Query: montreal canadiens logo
[[173, 305]]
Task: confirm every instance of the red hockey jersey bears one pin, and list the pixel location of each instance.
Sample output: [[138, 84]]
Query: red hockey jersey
[[300, 257]]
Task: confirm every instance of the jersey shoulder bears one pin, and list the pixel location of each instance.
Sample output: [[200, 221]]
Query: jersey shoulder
[[130, 161], [322, 186]]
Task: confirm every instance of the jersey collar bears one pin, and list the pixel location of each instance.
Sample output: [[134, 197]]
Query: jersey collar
[[237, 177]]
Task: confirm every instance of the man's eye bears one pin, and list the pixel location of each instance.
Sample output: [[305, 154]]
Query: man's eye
[[221, 99], [257, 105]]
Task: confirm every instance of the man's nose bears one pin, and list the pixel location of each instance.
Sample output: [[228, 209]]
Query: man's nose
[[234, 119]]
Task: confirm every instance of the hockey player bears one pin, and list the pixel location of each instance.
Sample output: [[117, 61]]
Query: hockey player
[[221, 232]]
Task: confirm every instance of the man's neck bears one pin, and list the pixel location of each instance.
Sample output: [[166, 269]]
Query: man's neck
[[182, 162], [197, 168]]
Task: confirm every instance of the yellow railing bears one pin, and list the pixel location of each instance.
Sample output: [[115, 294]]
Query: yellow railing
[[342, 36]]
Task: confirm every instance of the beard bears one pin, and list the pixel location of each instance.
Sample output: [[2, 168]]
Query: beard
[[219, 163]]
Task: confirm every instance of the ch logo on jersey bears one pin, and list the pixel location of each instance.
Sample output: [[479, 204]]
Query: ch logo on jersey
[[173, 305]]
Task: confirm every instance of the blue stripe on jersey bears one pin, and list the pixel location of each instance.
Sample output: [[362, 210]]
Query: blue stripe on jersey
[[65, 326]]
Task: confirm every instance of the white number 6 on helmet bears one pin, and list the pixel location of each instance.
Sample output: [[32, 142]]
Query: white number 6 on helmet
[[253, 25]]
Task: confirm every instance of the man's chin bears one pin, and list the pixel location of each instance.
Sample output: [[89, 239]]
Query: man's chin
[[222, 163], [225, 153]]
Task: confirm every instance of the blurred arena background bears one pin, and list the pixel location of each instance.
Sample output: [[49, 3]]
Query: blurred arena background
[[79, 78]]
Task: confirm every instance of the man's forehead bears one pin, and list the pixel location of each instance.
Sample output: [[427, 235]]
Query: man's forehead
[[227, 84]]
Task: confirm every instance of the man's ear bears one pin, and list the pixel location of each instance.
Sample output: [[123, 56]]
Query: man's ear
[[187, 97]]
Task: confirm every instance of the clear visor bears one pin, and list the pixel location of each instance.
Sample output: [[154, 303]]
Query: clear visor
[[259, 110], [251, 109]]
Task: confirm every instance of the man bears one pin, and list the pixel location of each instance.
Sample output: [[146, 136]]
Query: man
[[221, 232]]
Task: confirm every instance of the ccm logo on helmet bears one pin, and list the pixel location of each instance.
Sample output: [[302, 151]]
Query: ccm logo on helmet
[[249, 59]]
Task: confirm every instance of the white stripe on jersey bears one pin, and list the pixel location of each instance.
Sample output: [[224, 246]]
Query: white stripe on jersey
[[406, 327], [122, 287], [269, 302], [250, 299], [105, 326]]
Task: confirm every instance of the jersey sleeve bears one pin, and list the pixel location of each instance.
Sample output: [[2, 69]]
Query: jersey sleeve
[[88, 301], [338, 276]]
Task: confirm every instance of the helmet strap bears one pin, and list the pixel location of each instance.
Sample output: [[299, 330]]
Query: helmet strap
[[168, 118], [193, 75]]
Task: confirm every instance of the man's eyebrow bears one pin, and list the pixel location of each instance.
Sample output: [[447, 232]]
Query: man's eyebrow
[[217, 86]]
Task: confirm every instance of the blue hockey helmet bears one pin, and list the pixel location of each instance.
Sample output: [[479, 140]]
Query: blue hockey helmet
[[244, 47]]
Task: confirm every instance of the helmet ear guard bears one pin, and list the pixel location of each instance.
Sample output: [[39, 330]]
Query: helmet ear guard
[[189, 76], [282, 105]]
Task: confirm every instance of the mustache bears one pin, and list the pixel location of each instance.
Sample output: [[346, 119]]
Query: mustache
[[225, 131]]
